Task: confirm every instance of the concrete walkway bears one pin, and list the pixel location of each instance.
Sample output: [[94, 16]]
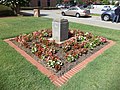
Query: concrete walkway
[[94, 20]]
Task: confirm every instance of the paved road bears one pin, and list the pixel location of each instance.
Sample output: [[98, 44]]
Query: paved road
[[94, 20]]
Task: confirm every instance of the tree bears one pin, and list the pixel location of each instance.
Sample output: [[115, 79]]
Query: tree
[[113, 2], [15, 4], [105, 2], [59, 1]]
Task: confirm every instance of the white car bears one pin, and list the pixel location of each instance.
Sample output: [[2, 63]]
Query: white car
[[76, 11], [60, 6]]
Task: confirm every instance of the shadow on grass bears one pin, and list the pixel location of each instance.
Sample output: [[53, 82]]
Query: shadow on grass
[[26, 14], [7, 13], [80, 16], [30, 14], [85, 16]]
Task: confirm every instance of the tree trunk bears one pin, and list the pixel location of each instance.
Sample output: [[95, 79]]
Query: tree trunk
[[16, 9]]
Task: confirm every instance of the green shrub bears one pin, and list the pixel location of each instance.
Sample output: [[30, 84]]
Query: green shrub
[[105, 2], [6, 11], [26, 8], [50, 8]]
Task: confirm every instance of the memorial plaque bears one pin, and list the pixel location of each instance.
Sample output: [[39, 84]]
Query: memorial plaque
[[60, 30]]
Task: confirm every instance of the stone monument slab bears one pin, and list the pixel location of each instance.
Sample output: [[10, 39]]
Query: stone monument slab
[[60, 30]]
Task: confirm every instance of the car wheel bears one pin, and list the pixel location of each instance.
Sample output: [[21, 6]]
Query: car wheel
[[106, 18], [77, 15], [63, 13]]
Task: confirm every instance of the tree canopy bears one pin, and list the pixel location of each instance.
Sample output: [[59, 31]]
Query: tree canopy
[[15, 4]]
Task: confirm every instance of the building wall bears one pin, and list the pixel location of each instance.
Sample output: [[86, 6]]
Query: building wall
[[53, 3], [34, 3], [44, 3]]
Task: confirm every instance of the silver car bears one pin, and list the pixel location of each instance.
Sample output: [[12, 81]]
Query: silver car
[[76, 11]]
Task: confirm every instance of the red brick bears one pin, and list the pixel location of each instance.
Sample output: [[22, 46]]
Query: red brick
[[66, 79], [67, 75], [70, 73], [34, 3], [60, 81], [53, 78], [57, 83], [63, 80]]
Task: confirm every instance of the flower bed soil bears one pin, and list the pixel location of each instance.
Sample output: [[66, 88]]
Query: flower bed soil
[[60, 58]]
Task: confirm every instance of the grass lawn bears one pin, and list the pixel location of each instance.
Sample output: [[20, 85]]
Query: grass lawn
[[92, 14], [18, 74]]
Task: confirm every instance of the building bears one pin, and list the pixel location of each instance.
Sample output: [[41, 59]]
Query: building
[[43, 3]]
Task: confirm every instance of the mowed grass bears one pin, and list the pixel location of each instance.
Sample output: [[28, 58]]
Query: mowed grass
[[18, 74]]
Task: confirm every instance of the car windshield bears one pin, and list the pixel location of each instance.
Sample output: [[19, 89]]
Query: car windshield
[[82, 7]]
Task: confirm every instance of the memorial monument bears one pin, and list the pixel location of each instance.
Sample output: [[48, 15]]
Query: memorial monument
[[60, 30]]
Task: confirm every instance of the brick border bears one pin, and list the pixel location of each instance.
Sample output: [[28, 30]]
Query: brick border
[[59, 81]]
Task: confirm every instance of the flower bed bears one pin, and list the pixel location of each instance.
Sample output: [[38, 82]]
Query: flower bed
[[60, 58]]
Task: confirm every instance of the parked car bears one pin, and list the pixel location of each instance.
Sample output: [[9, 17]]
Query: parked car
[[107, 15], [68, 5], [64, 6], [60, 6], [76, 11], [90, 6], [106, 8]]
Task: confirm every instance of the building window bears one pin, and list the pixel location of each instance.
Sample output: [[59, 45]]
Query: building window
[[48, 3], [39, 3]]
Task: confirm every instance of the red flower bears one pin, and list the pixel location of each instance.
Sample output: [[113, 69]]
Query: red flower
[[103, 40], [36, 34]]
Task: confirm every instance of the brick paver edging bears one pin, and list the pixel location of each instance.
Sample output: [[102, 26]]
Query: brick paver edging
[[58, 81]]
